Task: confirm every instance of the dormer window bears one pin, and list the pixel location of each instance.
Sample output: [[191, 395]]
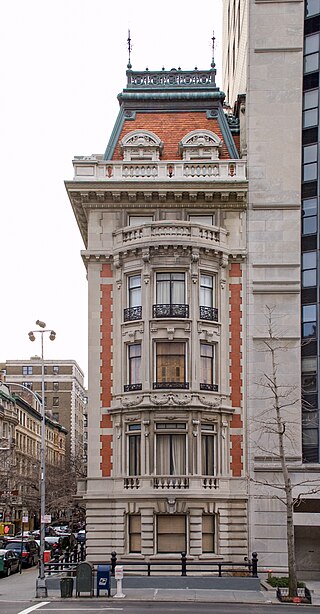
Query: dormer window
[[141, 145], [200, 145]]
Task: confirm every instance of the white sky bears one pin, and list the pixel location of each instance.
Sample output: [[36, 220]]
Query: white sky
[[63, 64]]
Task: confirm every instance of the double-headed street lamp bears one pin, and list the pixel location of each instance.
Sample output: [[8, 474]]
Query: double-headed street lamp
[[41, 588]]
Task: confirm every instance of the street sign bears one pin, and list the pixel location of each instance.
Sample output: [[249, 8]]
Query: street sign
[[25, 519], [46, 519]]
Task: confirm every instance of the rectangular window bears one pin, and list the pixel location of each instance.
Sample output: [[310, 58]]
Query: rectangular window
[[171, 534], [310, 162], [137, 220], [171, 365], [134, 449], [55, 416], [134, 533], [207, 371], [170, 296], [171, 449], [309, 374], [27, 370], [208, 310], [208, 533], [309, 216], [55, 369], [208, 449], [205, 220], [55, 401], [134, 310], [309, 269], [311, 53], [27, 385], [309, 321], [134, 367], [55, 386]]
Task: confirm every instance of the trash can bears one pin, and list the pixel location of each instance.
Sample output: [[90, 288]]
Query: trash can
[[103, 579], [66, 587]]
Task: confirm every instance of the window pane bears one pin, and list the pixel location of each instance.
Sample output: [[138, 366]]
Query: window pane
[[135, 533], [171, 533], [310, 172], [309, 206], [205, 220], [310, 154], [310, 100], [171, 454], [137, 220], [310, 118], [309, 364], [309, 313], [309, 225], [311, 62], [309, 260], [208, 530], [311, 44], [207, 453], [309, 330], [134, 454], [309, 278], [312, 7], [309, 382]]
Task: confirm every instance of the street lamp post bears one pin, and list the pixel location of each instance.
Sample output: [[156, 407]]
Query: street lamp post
[[41, 588]]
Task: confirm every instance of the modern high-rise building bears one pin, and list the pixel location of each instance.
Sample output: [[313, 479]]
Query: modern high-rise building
[[162, 214], [271, 77]]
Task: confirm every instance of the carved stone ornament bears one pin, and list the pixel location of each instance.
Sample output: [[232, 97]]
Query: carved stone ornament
[[205, 401], [175, 399], [141, 145], [131, 402], [200, 145]]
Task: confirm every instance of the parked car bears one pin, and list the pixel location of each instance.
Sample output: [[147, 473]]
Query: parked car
[[9, 562], [25, 534], [27, 550], [81, 536]]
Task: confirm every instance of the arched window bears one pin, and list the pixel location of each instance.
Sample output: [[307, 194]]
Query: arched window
[[200, 145], [141, 145]]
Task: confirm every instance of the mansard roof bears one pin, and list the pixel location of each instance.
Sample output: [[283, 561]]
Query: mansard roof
[[170, 105]]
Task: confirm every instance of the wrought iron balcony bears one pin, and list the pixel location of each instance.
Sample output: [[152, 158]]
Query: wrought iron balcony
[[132, 387], [171, 481], [132, 313], [208, 313], [210, 387], [170, 311], [160, 385]]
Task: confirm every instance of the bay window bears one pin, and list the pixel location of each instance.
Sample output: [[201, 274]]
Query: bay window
[[208, 449], [208, 310], [171, 365], [134, 449], [170, 449], [134, 368], [207, 368], [170, 296], [134, 310]]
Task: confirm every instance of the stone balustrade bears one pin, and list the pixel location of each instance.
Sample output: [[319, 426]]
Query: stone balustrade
[[161, 232]]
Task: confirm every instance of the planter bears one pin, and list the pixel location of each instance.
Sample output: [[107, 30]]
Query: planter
[[304, 595]]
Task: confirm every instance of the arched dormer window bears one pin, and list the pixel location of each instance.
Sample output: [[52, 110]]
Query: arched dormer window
[[141, 145], [200, 145]]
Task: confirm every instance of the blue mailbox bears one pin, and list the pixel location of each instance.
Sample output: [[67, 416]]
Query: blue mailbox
[[103, 579]]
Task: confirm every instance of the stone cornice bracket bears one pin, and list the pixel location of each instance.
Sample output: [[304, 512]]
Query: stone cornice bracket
[[84, 197], [224, 261], [131, 402], [116, 197], [170, 333], [208, 197], [225, 197], [147, 197], [178, 196], [117, 263], [193, 197], [162, 197], [132, 197]]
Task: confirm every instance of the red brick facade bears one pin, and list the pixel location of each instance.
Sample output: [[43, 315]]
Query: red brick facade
[[106, 368]]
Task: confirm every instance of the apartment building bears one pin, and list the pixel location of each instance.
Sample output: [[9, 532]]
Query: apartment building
[[65, 395]]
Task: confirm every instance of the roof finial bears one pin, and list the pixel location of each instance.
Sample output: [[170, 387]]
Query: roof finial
[[212, 61], [129, 50]]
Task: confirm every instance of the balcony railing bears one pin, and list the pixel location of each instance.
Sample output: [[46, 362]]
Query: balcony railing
[[131, 483], [132, 387], [170, 311], [210, 387], [132, 313], [93, 168], [171, 481], [208, 313], [210, 483], [160, 385]]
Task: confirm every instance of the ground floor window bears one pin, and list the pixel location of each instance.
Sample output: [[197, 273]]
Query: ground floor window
[[171, 534], [135, 533], [208, 533]]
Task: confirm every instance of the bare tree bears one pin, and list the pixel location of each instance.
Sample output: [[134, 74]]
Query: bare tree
[[278, 435]]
